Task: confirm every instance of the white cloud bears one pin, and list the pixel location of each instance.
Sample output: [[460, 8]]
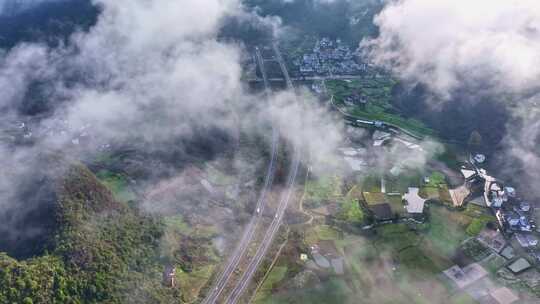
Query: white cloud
[[153, 71], [450, 42], [451, 45]]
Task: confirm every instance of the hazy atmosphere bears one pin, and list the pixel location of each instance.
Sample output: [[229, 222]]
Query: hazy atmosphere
[[276, 151]]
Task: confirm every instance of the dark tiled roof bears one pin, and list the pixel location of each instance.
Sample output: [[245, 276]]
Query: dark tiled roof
[[382, 211]]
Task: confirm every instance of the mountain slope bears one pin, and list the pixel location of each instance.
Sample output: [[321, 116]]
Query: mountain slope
[[104, 252]]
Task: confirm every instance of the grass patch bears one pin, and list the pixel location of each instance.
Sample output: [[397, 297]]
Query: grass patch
[[321, 233], [462, 298], [322, 190], [333, 290], [436, 179], [414, 259], [276, 275], [450, 157], [475, 250], [473, 210], [191, 283], [444, 195], [118, 185], [447, 229], [477, 225], [493, 263], [378, 92], [350, 210], [327, 233], [413, 126], [177, 224], [395, 237], [429, 193], [401, 183]]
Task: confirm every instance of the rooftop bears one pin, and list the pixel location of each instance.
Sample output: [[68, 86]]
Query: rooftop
[[504, 295], [465, 276], [519, 265], [382, 211], [415, 204], [508, 253], [468, 173]]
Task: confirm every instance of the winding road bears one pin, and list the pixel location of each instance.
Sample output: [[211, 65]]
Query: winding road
[[249, 231], [271, 232]]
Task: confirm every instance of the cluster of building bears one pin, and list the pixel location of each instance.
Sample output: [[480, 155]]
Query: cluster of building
[[387, 205], [514, 214], [329, 57], [474, 280]]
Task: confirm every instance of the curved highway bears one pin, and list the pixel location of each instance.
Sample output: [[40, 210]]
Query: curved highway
[[238, 253], [241, 286], [271, 232]]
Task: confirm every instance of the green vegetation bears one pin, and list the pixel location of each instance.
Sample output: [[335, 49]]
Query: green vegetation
[[277, 274], [493, 263], [480, 217], [477, 225], [321, 233], [330, 190], [103, 252], [371, 183], [402, 182], [395, 237], [377, 91], [118, 184], [177, 224], [447, 229], [190, 283], [414, 258], [378, 95], [414, 126], [400, 257], [450, 156], [475, 250], [436, 179], [324, 19], [350, 211], [333, 290], [322, 190], [462, 298]]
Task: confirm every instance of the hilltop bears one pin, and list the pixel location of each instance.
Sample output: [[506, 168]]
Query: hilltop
[[101, 250]]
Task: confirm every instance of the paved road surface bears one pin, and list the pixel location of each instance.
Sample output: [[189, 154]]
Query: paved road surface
[[263, 248], [238, 253]]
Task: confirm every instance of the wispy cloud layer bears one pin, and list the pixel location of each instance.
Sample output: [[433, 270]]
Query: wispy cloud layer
[[485, 48], [447, 43], [149, 72]]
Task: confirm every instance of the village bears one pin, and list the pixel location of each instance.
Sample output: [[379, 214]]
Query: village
[[329, 57], [500, 248], [400, 207], [368, 228]]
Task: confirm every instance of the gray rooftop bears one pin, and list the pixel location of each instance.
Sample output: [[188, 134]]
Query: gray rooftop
[[415, 204]]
